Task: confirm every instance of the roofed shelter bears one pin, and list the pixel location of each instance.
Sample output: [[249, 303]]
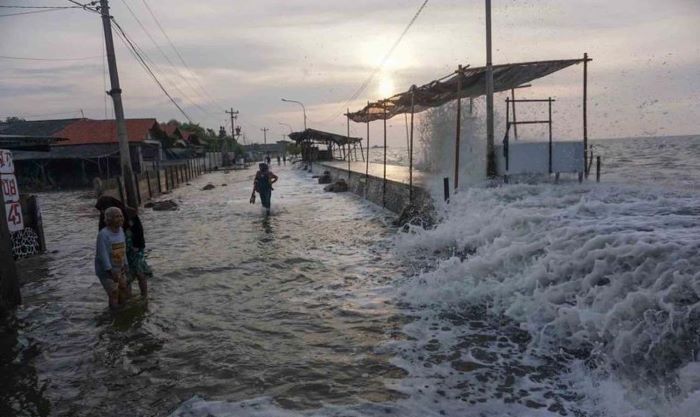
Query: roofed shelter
[[311, 139], [467, 82]]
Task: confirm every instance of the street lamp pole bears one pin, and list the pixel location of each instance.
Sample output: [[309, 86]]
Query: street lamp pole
[[288, 126], [302, 107]]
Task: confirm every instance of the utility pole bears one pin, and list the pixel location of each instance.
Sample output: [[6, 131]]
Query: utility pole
[[490, 150], [264, 130], [116, 94], [234, 116]]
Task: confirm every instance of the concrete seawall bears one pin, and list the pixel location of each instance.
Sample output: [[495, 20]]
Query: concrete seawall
[[396, 197]]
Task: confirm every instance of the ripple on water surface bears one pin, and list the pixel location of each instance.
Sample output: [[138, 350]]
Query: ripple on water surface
[[242, 305]]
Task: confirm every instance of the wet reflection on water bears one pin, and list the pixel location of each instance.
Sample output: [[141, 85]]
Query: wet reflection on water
[[242, 305]]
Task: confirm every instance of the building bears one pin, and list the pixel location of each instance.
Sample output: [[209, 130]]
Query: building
[[90, 150]]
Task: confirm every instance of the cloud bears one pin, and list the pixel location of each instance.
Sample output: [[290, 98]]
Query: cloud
[[248, 55]]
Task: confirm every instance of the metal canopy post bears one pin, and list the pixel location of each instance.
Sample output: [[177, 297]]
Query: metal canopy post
[[459, 124], [515, 126], [506, 139], [348, 142], [367, 162], [384, 176], [410, 149], [550, 133], [585, 113]]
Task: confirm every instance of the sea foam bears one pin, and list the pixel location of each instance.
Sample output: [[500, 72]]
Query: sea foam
[[602, 280]]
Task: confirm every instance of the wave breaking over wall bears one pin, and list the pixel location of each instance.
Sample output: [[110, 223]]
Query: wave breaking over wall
[[568, 298]]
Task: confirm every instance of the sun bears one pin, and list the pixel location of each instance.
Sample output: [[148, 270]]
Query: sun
[[386, 86]]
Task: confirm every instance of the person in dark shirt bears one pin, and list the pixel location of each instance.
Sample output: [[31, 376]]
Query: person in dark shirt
[[262, 184]]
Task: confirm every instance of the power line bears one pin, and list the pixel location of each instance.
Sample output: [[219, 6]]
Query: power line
[[172, 45], [19, 58], [140, 59], [34, 11], [172, 65], [86, 6], [371, 76], [40, 7]]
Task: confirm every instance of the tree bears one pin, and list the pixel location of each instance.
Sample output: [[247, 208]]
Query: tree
[[13, 119]]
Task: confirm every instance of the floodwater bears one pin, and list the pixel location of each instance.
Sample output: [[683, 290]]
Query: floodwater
[[526, 299], [241, 305]]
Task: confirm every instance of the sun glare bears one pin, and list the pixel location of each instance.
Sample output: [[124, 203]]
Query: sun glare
[[386, 87]]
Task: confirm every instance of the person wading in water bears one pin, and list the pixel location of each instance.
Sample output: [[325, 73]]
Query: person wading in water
[[111, 265], [262, 184]]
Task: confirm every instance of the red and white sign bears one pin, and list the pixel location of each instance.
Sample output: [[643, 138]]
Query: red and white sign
[[10, 192], [6, 164], [9, 188], [14, 216]]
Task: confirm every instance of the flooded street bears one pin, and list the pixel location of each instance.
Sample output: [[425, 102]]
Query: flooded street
[[241, 306]]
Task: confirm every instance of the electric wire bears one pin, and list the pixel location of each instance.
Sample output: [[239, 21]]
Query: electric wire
[[40, 7], [376, 70], [172, 65], [20, 58], [32, 12], [177, 52], [129, 43], [86, 6]]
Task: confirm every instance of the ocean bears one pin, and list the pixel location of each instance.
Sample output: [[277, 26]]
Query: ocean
[[526, 299]]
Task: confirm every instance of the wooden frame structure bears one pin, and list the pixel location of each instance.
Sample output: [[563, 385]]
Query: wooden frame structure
[[468, 82]]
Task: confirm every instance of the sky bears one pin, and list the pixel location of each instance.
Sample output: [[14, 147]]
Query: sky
[[644, 79]]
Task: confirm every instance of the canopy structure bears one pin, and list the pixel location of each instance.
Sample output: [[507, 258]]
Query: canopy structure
[[310, 139], [313, 135], [464, 83]]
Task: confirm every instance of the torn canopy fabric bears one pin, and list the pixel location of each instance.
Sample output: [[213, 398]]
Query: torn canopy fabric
[[469, 83], [321, 136]]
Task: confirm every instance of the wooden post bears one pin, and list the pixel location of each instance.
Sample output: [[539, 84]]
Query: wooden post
[[515, 119], [160, 189], [585, 113], [347, 117], [384, 176], [410, 148], [33, 206], [549, 101], [459, 124], [138, 189], [10, 296], [367, 160], [446, 188], [148, 182], [597, 168], [506, 139]]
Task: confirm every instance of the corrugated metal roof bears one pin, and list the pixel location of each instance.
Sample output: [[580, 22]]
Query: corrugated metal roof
[[321, 136], [471, 82]]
